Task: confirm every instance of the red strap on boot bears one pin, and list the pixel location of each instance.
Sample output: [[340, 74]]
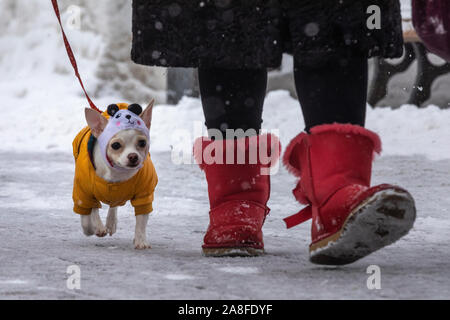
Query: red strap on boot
[[71, 56], [300, 217]]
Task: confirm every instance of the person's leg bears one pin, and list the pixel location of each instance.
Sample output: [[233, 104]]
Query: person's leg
[[334, 92], [350, 219], [232, 99], [238, 192]]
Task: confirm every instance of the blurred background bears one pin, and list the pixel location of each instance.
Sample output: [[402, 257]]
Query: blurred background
[[43, 101], [100, 33]]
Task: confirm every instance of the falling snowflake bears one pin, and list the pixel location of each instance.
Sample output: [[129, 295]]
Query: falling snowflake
[[158, 25], [311, 29]]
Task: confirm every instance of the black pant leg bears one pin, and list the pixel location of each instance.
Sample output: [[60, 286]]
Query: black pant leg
[[233, 99], [335, 92]]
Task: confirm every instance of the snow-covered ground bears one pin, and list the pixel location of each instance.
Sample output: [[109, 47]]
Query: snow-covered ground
[[41, 236], [42, 110]]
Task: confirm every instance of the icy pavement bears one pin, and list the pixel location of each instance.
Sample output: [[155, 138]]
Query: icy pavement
[[41, 237]]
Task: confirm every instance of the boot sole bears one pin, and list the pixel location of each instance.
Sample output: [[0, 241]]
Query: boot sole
[[379, 221], [232, 252]]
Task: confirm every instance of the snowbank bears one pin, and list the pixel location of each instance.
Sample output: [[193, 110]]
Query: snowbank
[[45, 116]]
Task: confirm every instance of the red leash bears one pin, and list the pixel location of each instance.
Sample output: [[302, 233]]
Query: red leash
[[71, 56]]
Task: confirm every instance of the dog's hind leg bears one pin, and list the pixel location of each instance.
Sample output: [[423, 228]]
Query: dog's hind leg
[[100, 230], [140, 237], [87, 225], [111, 221]]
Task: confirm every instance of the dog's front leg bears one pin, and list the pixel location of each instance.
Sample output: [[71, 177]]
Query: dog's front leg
[[87, 225], [100, 230], [140, 237], [111, 221]]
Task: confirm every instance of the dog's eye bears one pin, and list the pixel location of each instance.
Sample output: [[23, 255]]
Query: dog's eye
[[116, 146], [142, 143]]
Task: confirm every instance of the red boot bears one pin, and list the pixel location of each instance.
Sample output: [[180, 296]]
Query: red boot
[[238, 192], [350, 219]]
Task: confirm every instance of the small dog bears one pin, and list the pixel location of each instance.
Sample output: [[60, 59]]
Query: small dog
[[113, 166]]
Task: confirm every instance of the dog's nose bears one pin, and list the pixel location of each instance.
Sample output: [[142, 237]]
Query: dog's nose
[[133, 158], [128, 116]]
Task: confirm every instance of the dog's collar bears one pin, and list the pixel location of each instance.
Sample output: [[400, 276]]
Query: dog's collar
[[109, 161]]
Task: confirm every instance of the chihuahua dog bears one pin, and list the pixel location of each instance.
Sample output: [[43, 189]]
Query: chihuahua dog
[[113, 166]]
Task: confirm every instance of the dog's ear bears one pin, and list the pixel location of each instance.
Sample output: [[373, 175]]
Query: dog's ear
[[147, 114], [95, 121]]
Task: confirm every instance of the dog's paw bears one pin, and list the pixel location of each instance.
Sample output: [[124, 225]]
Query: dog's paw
[[141, 244], [88, 232], [87, 226], [101, 231], [111, 226]]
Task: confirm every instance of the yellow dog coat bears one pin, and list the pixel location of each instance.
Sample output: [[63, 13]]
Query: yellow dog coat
[[89, 189]]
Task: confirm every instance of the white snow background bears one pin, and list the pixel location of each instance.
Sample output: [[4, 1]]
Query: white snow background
[[41, 112]]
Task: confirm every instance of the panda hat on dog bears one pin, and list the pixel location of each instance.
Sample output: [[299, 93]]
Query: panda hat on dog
[[119, 120]]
